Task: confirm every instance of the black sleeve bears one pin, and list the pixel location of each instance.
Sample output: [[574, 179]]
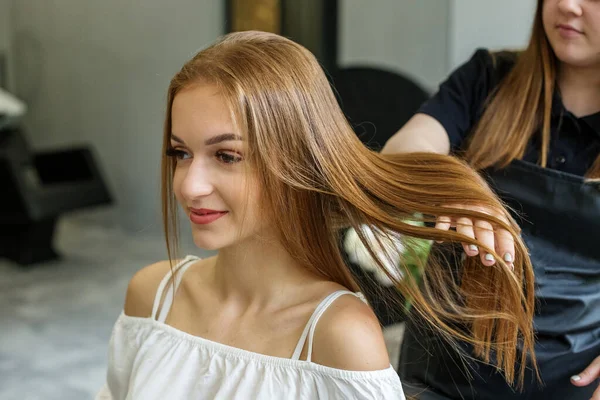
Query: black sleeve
[[459, 102]]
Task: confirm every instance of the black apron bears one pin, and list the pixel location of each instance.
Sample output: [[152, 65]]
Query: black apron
[[561, 227]]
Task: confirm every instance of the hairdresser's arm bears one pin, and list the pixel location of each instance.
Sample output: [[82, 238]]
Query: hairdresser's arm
[[421, 133], [448, 116]]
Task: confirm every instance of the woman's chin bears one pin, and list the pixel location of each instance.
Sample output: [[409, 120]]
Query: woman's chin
[[577, 57], [209, 242]]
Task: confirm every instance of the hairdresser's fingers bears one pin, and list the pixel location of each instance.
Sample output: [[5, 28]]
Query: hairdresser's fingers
[[588, 375], [596, 395], [444, 223], [465, 227], [505, 246], [485, 234]]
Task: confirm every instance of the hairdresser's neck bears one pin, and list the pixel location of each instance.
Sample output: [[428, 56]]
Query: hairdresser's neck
[[258, 273], [580, 89]]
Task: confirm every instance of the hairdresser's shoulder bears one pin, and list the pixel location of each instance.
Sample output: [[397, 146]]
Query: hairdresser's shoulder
[[349, 336], [503, 61], [142, 288], [491, 66]]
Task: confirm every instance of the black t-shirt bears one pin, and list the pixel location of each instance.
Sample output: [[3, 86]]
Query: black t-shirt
[[459, 104]]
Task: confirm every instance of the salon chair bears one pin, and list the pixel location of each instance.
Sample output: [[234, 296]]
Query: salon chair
[[377, 102], [37, 188]]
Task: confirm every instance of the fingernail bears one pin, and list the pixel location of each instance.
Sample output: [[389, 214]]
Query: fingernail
[[489, 257], [576, 378], [472, 247], [508, 257]]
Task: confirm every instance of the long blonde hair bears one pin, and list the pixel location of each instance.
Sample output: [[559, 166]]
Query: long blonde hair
[[520, 107], [309, 159]]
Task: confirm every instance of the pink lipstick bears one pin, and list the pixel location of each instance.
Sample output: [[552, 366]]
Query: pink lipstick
[[203, 216]]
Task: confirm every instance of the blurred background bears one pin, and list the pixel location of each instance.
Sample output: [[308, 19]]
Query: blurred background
[[82, 96]]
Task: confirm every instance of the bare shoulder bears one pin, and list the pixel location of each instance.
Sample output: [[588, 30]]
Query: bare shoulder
[[348, 336], [143, 286]]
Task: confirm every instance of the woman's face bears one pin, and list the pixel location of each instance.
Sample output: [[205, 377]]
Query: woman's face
[[215, 188], [573, 30]]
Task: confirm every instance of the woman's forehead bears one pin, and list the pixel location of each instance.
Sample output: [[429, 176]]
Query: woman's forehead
[[201, 111]]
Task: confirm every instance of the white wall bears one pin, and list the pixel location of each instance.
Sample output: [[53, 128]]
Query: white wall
[[403, 35], [97, 72], [492, 24], [427, 39]]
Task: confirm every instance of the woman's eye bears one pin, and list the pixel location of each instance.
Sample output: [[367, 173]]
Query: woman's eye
[[178, 154], [228, 157]]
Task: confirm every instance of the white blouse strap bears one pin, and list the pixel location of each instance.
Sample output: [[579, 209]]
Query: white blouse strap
[[184, 265], [309, 329]]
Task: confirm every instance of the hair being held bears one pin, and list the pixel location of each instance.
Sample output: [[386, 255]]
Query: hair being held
[[317, 177]]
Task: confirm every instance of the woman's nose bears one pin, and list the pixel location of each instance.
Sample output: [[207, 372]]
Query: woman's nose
[[196, 183], [570, 7]]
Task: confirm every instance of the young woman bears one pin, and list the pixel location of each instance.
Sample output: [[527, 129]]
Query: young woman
[[531, 120], [260, 158]]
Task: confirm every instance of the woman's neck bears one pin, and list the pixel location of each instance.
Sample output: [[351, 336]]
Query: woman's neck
[[580, 89], [259, 273]]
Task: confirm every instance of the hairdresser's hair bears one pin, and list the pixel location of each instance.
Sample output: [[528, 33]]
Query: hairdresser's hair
[[520, 108], [318, 177]]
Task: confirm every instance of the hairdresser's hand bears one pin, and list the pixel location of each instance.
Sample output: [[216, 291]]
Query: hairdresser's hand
[[590, 375], [499, 239]]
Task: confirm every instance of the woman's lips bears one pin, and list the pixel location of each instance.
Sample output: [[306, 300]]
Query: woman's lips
[[567, 31], [203, 216]]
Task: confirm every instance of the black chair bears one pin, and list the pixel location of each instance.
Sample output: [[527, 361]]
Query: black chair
[[37, 189], [377, 104]]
